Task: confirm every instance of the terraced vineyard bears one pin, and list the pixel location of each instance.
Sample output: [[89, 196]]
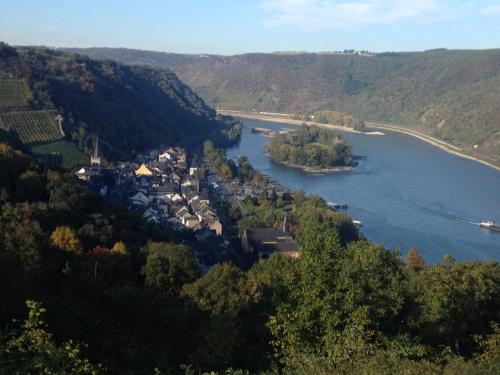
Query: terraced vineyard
[[14, 93], [33, 126]]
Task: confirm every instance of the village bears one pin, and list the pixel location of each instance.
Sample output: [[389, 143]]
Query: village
[[187, 196]]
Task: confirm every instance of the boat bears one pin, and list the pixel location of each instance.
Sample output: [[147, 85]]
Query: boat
[[490, 225], [359, 223]]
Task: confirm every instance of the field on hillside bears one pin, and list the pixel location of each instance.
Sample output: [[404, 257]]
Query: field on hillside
[[33, 126], [14, 92], [71, 153]]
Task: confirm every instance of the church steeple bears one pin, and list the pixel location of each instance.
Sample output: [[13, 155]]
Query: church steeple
[[95, 159], [285, 223]]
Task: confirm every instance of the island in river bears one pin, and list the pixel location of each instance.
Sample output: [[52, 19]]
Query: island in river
[[312, 149]]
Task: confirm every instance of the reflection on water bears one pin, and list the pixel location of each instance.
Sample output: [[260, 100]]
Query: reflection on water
[[407, 193]]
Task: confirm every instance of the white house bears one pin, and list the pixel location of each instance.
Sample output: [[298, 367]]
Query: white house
[[165, 157], [175, 198]]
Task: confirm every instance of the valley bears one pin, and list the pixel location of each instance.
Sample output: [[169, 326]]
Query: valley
[[447, 94]]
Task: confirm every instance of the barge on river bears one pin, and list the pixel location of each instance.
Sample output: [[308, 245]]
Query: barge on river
[[490, 225]]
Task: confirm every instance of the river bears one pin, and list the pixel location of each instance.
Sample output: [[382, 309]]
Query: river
[[408, 193]]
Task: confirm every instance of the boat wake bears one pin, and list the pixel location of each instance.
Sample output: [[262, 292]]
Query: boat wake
[[451, 216], [472, 222]]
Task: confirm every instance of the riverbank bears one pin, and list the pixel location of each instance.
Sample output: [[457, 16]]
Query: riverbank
[[433, 141], [314, 170], [423, 137], [291, 121], [268, 132]]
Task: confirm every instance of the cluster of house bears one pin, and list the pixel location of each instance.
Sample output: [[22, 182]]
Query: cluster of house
[[166, 191], [162, 187]]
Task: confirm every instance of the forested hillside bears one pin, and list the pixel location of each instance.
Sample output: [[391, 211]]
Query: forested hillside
[[108, 292], [130, 108], [451, 94]]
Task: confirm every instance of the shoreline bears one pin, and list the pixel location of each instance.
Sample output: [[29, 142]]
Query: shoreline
[[314, 170], [291, 121], [433, 141], [423, 137]]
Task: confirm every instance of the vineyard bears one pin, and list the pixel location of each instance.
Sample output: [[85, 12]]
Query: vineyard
[[14, 92], [33, 126], [71, 154]]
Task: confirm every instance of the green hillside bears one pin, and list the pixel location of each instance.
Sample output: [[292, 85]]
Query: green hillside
[[131, 109], [451, 94], [33, 126], [70, 153]]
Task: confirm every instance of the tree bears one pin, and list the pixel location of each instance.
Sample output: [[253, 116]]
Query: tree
[[257, 178], [120, 248], [31, 186], [457, 300], [168, 267], [66, 239], [34, 350], [22, 265], [233, 326], [225, 171], [245, 169], [269, 277], [301, 322], [338, 297], [415, 261], [220, 291]]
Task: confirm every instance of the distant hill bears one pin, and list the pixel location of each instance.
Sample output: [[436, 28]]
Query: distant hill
[[450, 94], [130, 108]]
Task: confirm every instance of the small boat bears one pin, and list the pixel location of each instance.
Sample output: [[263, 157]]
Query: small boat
[[358, 223], [490, 225]]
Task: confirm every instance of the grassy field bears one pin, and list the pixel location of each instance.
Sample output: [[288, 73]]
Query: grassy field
[[71, 153], [14, 92], [33, 126]]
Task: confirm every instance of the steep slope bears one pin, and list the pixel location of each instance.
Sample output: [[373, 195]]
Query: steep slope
[[451, 94], [130, 108]]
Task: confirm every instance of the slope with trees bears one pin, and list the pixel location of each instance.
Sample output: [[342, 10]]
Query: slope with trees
[[131, 109], [109, 293], [451, 94]]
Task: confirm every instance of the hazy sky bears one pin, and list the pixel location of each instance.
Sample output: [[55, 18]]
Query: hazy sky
[[237, 26]]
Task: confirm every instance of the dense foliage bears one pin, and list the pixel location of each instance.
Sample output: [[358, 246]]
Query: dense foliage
[[310, 146], [118, 295], [338, 118], [131, 109], [452, 94], [228, 169], [14, 92]]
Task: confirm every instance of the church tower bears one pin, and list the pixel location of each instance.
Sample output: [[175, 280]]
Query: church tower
[[285, 223], [95, 159]]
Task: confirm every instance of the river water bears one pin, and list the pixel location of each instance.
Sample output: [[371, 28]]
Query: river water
[[407, 193]]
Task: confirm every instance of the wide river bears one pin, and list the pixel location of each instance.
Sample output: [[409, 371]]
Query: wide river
[[408, 193]]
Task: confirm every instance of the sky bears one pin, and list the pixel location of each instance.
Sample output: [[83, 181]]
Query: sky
[[240, 26]]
